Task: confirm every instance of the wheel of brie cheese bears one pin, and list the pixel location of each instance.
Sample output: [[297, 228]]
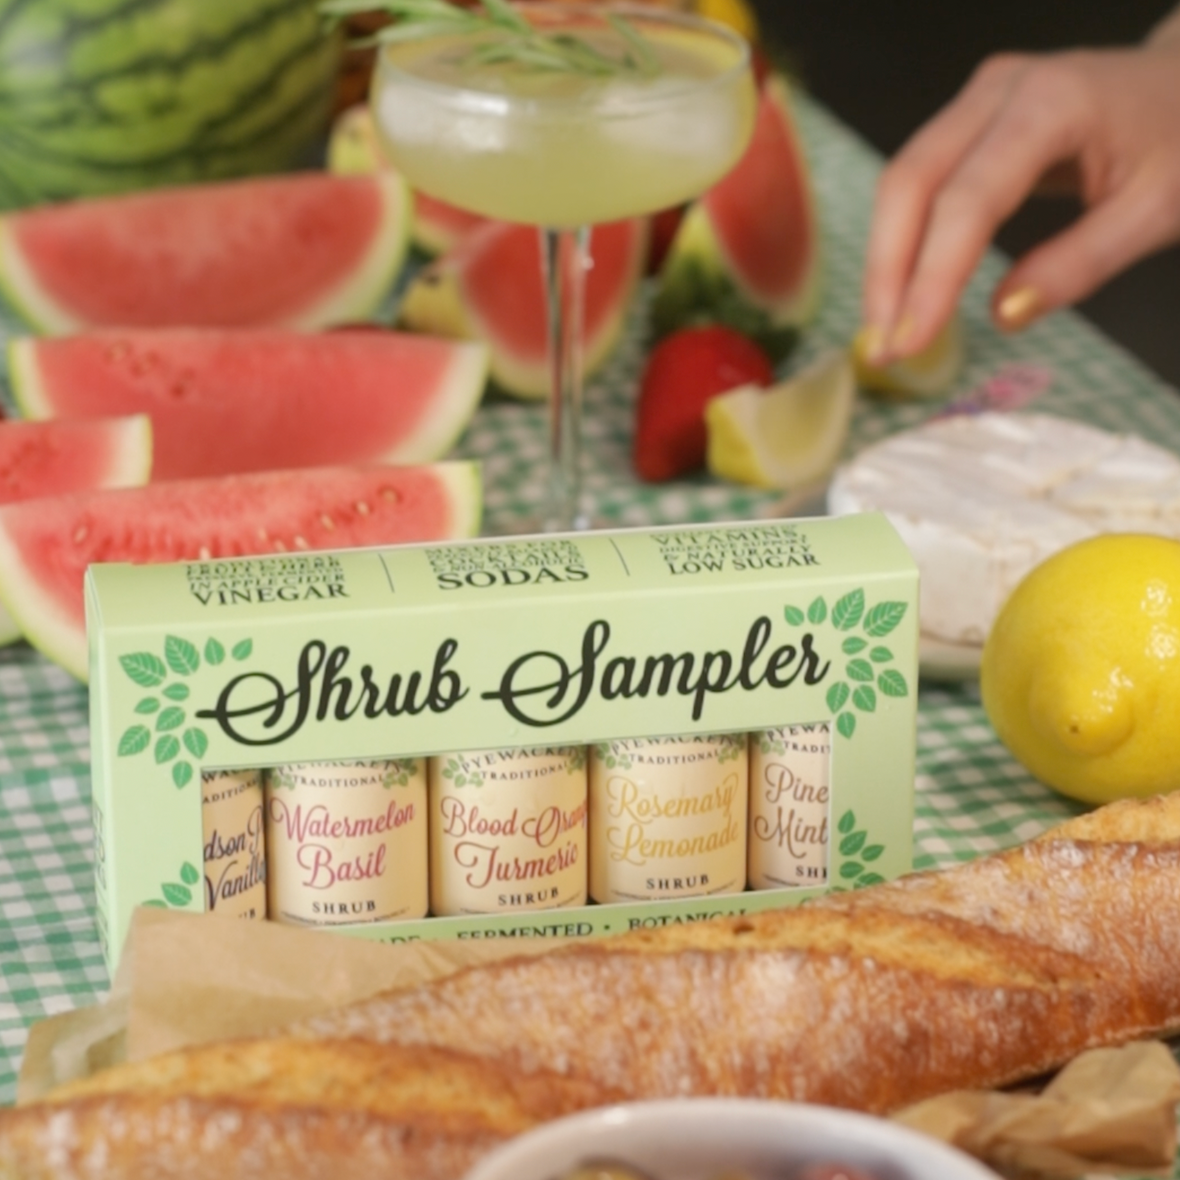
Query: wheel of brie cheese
[[982, 499]]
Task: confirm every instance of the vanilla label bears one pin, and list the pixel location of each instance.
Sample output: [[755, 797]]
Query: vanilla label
[[668, 817], [347, 842], [235, 856], [790, 784], [508, 830]]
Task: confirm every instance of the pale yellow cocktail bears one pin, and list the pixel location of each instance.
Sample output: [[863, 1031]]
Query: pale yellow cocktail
[[562, 116], [564, 149]]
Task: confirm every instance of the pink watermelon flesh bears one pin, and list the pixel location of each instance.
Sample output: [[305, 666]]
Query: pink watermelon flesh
[[439, 227], [53, 458], [761, 211], [220, 255], [224, 402], [503, 289], [46, 545]]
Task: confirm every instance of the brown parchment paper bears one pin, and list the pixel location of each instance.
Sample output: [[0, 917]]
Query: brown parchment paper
[[187, 979]]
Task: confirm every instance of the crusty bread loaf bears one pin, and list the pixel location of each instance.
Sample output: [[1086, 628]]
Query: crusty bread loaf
[[971, 977], [278, 1108], [975, 976]]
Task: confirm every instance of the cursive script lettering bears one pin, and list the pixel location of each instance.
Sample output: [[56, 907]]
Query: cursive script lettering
[[257, 700], [541, 689]]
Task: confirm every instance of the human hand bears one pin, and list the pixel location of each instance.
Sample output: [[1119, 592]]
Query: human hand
[[1103, 124]]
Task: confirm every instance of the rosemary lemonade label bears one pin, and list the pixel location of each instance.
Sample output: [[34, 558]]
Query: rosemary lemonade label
[[668, 817]]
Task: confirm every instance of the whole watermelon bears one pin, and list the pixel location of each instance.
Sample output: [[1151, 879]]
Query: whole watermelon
[[106, 96]]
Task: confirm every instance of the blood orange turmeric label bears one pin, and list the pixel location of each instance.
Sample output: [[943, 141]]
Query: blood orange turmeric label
[[508, 830]]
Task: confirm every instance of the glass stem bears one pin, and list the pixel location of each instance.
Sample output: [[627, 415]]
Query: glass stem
[[565, 256]]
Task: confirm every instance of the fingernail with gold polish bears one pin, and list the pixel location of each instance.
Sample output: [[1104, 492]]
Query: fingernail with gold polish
[[902, 335], [872, 343], [1019, 308]]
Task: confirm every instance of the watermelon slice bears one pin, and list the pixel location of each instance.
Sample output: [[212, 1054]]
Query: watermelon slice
[[354, 147], [747, 253], [490, 288], [46, 545], [51, 458], [301, 251], [439, 227], [223, 402]]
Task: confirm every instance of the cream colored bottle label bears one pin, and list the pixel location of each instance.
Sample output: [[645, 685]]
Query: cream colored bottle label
[[668, 817], [346, 842], [507, 830], [790, 779], [235, 852]]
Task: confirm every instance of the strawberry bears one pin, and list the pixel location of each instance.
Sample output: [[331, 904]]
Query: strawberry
[[682, 373], [664, 225]]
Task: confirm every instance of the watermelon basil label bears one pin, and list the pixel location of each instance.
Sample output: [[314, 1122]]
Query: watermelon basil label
[[419, 650]]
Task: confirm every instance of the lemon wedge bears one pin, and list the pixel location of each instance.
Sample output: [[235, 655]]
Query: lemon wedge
[[737, 14], [787, 436], [929, 373]]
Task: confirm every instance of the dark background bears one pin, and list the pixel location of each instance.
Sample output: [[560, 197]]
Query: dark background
[[885, 66]]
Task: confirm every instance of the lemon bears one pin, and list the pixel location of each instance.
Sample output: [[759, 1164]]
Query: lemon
[[929, 373], [1081, 670], [786, 436], [737, 14]]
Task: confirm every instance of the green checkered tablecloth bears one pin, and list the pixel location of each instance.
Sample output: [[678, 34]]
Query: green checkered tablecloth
[[971, 797]]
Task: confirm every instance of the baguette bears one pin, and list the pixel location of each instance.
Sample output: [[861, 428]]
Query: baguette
[[972, 977], [975, 976], [261, 1109]]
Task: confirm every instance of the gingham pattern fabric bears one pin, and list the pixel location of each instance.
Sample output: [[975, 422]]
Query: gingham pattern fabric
[[971, 797]]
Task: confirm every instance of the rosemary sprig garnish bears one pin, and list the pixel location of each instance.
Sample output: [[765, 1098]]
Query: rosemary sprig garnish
[[504, 36]]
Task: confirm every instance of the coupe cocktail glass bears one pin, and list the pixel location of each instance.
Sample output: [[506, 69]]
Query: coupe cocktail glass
[[565, 150]]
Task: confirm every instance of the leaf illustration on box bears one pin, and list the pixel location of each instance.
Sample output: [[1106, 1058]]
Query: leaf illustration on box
[[460, 775], [770, 742], [730, 748], [181, 658], [867, 672], [856, 855], [177, 895], [398, 773], [576, 759], [611, 758], [281, 777]]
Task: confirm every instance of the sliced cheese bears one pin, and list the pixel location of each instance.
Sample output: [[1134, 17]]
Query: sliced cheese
[[982, 499]]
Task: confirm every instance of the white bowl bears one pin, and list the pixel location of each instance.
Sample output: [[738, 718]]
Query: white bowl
[[700, 1138]]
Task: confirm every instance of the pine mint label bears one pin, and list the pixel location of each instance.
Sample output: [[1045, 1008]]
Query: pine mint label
[[591, 641], [790, 796]]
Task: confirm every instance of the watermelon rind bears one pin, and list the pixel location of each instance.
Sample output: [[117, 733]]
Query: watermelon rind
[[129, 442], [199, 425], [701, 282], [438, 303], [104, 97], [60, 636], [126, 439], [354, 149], [356, 297]]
